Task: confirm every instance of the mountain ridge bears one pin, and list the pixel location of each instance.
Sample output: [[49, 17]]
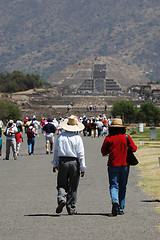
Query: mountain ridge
[[44, 37]]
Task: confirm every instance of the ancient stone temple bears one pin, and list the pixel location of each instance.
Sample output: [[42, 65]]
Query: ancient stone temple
[[99, 83]]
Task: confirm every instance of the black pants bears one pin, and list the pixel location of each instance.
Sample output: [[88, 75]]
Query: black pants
[[67, 182]]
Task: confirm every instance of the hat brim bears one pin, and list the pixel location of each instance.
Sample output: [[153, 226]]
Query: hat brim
[[71, 128]]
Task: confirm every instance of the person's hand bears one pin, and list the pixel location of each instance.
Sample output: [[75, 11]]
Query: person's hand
[[82, 174], [54, 169]]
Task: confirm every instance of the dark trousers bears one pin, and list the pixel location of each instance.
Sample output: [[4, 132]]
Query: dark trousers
[[67, 183], [99, 131]]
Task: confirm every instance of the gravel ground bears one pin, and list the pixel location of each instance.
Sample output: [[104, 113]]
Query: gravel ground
[[28, 200]]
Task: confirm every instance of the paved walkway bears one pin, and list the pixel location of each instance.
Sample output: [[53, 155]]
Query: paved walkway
[[28, 201]]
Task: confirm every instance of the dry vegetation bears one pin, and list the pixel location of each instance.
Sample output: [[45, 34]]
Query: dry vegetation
[[150, 173]]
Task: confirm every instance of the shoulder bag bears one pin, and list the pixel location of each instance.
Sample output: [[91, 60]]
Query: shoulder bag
[[131, 159]]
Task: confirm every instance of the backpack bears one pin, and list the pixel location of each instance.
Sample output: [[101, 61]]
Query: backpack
[[30, 133]]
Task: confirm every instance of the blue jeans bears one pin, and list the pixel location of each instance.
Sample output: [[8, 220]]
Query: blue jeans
[[118, 178], [31, 142]]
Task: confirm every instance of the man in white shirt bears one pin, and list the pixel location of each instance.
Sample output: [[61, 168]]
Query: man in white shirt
[[69, 159], [35, 124], [10, 132], [99, 126]]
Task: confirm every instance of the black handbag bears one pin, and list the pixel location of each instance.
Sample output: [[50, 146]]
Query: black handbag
[[131, 159]]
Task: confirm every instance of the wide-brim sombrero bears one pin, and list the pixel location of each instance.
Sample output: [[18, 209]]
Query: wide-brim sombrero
[[72, 124]]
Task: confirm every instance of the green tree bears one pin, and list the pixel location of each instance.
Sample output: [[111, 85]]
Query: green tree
[[9, 111], [10, 87], [17, 81], [125, 109], [149, 113]]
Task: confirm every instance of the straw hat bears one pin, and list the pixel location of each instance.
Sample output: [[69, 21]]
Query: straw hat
[[116, 122], [72, 124], [11, 121]]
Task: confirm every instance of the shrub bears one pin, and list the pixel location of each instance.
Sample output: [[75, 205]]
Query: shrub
[[9, 111]]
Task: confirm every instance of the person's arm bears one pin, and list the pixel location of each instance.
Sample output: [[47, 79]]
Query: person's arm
[[55, 158], [105, 147], [132, 145], [81, 157], [34, 130], [5, 131]]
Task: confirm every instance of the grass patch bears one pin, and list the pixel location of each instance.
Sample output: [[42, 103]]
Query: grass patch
[[147, 153], [150, 172], [145, 135]]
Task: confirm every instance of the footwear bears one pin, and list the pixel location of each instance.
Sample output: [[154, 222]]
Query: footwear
[[15, 158], [47, 152], [120, 213], [29, 153], [114, 208], [51, 152], [72, 213], [60, 207], [5, 158]]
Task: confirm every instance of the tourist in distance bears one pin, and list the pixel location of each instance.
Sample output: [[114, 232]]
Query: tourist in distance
[[31, 138], [19, 139], [49, 129], [10, 132]]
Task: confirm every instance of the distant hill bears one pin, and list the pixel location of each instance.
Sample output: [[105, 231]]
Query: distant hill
[[43, 37]]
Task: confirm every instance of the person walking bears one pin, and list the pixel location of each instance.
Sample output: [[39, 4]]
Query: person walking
[[115, 145], [1, 125], [85, 126], [99, 124], [1, 142], [31, 138], [50, 130], [19, 139], [10, 132], [93, 128], [19, 125], [69, 159], [35, 124], [25, 126]]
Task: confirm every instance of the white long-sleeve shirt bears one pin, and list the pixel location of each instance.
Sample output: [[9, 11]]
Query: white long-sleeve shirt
[[69, 144], [10, 132]]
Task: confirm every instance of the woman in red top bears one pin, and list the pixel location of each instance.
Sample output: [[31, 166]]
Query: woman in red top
[[115, 145]]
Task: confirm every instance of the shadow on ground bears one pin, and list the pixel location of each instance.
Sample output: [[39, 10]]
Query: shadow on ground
[[78, 214]]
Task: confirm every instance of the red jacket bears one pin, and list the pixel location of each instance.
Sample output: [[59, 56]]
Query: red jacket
[[18, 137], [116, 147]]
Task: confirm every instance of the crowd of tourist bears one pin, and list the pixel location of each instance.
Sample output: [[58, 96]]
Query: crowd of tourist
[[93, 127]]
